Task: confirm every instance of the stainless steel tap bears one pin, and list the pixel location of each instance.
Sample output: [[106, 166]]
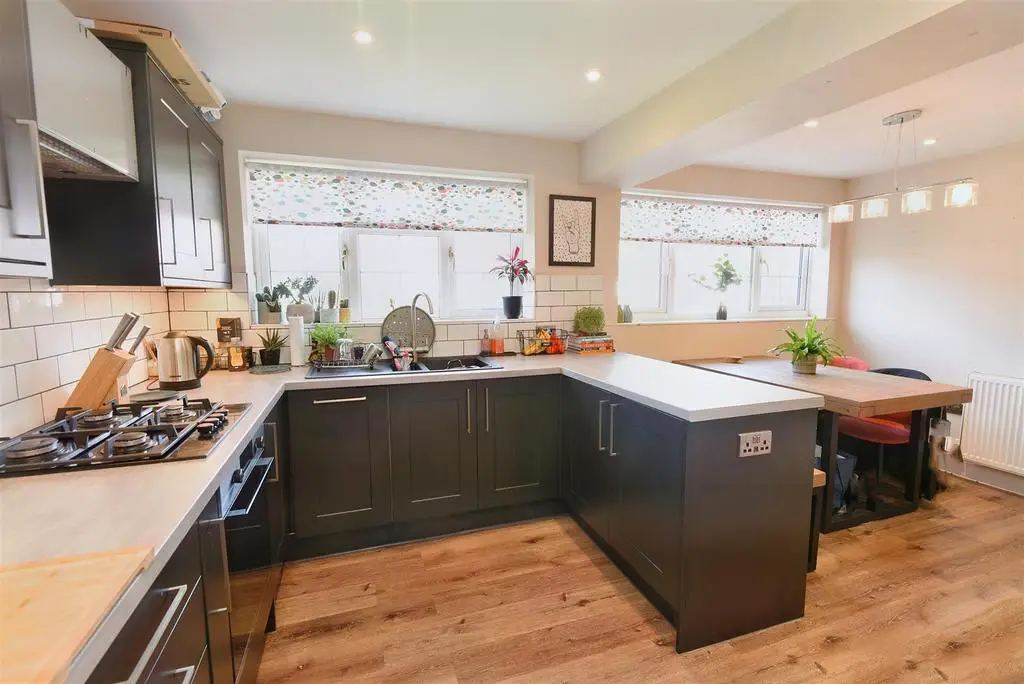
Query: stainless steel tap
[[412, 321]]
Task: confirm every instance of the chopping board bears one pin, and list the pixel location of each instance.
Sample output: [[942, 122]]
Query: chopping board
[[50, 608]]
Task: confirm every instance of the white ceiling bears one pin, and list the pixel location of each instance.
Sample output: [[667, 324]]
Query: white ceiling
[[512, 66], [973, 107]]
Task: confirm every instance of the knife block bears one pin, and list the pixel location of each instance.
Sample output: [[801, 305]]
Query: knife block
[[105, 379]]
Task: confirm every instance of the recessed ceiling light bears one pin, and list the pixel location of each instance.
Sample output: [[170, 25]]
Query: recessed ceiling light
[[362, 37], [929, 141], [593, 75], [811, 123]]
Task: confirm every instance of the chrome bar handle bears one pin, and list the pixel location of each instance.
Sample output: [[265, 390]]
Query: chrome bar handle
[[600, 424], [348, 400], [25, 185], [179, 592], [487, 409], [189, 672], [469, 413], [276, 477], [611, 429]]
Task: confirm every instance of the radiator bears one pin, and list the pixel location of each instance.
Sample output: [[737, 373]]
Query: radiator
[[993, 433]]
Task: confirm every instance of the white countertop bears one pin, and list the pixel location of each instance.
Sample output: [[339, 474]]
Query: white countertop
[[63, 514]]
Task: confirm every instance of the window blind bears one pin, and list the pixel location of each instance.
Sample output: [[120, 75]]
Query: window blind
[[384, 200], [649, 218]]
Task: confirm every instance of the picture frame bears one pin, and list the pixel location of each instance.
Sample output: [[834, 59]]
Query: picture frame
[[570, 239]]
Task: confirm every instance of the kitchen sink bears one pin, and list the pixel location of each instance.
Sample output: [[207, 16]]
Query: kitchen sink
[[435, 365], [454, 363]]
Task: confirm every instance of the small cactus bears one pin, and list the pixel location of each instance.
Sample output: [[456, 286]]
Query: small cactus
[[332, 299]]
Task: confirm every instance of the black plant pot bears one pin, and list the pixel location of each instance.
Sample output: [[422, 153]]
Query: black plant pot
[[512, 306], [723, 313], [270, 357]]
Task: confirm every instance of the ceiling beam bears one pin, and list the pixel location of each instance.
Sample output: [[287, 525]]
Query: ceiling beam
[[822, 56]]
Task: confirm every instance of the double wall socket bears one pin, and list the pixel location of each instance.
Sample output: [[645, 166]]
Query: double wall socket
[[755, 443]]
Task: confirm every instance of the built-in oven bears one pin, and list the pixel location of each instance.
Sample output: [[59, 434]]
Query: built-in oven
[[242, 547]]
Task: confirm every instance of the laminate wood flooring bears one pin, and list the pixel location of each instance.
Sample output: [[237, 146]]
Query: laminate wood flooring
[[934, 596]]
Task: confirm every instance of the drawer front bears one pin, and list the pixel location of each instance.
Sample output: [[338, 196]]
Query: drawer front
[[182, 657]]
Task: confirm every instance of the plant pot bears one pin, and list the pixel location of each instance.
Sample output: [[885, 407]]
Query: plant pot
[[512, 306], [329, 352], [329, 315], [344, 315], [722, 314], [806, 366], [270, 357], [262, 313], [305, 309]]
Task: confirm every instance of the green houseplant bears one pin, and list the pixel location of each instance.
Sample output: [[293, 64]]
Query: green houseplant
[[805, 349], [330, 313], [516, 270], [268, 304], [298, 290], [325, 337], [273, 342], [589, 320], [724, 276]]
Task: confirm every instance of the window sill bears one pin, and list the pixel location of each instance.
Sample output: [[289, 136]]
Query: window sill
[[377, 324], [705, 321]]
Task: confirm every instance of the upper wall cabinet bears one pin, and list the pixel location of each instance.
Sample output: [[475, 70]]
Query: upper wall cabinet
[[167, 229]]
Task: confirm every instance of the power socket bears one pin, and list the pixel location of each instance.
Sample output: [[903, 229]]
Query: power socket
[[755, 443]]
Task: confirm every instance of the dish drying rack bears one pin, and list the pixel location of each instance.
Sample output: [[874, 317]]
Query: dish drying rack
[[342, 363]]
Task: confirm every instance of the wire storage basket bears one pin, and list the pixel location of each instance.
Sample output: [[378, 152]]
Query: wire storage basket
[[543, 340]]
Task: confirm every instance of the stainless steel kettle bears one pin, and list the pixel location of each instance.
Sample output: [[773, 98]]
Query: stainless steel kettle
[[178, 363]]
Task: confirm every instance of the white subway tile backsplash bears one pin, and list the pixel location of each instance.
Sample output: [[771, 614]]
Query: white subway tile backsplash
[[440, 332], [141, 302], [107, 326], [157, 301], [68, 306], [542, 313], [563, 282], [20, 416], [365, 333], [563, 313], [188, 320], [56, 398], [35, 377], [239, 282], [137, 373], [175, 300], [597, 298], [206, 301], [52, 340], [542, 283], [590, 282], [17, 345], [71, 366], [463, 331], [120, 303], [158, 322], [97, 304], [447, 348], [500, 331], [471, 347], [212, 316], [238, 301], [577, 297], [40, 285], [8, 385], [85, 334], [550, 299], [14, 285], [5, 318], [30, 308]]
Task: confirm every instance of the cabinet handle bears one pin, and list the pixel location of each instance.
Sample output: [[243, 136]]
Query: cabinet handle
[[487, 409], [174, 113], [349, 400], [209, 231], [469, 414], [276, 477], [25, 186], [165, 623], [611, 429], [600, 424], [174, 238], [189, 672]]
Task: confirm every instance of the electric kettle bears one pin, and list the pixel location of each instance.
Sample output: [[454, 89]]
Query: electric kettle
[[177, 361]]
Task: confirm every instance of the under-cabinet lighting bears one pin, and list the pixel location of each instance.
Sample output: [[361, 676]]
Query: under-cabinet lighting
[[876, 207], [840, 213], [917, 201], [962, 195]]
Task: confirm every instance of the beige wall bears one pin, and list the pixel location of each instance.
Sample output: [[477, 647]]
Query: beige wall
[[942, 291], [554, 166]]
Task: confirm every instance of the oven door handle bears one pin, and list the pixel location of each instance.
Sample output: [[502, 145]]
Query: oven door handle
[[237, 509]]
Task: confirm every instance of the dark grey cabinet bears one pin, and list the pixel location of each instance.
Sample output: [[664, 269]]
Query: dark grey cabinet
[[587, 477], [517, 440], [645, 448], [433, 449], [206, 154], [339, 459]]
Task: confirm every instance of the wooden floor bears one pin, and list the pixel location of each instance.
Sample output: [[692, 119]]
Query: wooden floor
[[935, 596]]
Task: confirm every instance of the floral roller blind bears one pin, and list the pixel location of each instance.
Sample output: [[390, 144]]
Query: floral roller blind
[[371, 199], [649, 218]]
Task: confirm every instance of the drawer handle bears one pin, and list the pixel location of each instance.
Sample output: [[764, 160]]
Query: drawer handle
[[189, 672], [487, 409], [600, 426], [611, 429], [319, 402], [469, 413], [161, 629]]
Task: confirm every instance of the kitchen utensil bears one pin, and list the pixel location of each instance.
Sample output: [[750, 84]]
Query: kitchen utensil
[[371, 353], [397, 326], [138, 340], [120, 334], [396, 355], [179, 363], [150, 349]]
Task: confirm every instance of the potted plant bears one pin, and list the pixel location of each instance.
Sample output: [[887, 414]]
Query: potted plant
[[589, 320], [725, 276], [808, 347], [317, 301], [298, 290], [268, 302], [325, 337], [344, 312], [273, 342], [330, 313], [514, 269]]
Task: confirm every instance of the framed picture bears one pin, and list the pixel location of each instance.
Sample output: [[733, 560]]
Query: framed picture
[[573, 221]]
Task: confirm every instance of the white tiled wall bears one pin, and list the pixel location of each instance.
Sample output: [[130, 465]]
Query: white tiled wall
[[48, 336]]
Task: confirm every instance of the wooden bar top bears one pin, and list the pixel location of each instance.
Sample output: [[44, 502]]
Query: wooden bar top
[[849, 392]]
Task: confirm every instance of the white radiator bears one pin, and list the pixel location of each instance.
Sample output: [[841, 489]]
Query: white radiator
[[994, 423]]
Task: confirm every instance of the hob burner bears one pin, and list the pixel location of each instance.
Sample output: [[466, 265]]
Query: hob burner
[[131, 442], [178, 414], [33, 448], [96, 420]]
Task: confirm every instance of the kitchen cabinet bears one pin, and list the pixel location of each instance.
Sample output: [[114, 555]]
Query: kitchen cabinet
[[433, 442], [587, 477], [339, 459], [275, 429], [645, 449], [177, 236], [517, 440]]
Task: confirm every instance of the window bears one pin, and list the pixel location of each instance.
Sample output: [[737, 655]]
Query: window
[[380, 237], [670, 246]]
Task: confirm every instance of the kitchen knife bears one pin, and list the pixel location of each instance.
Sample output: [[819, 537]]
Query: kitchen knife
[[138, 340], [124, 334], [122, 329]]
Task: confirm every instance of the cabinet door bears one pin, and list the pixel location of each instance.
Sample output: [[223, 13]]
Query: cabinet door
[[646, 451], [433, 441], [587, 483], [208, 201], [517, 440], [339, 459], [179, 254]]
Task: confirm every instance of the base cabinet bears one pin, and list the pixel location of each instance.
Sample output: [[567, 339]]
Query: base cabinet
[[587, 478], [339, 459], [434, 449], [517, 440]]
